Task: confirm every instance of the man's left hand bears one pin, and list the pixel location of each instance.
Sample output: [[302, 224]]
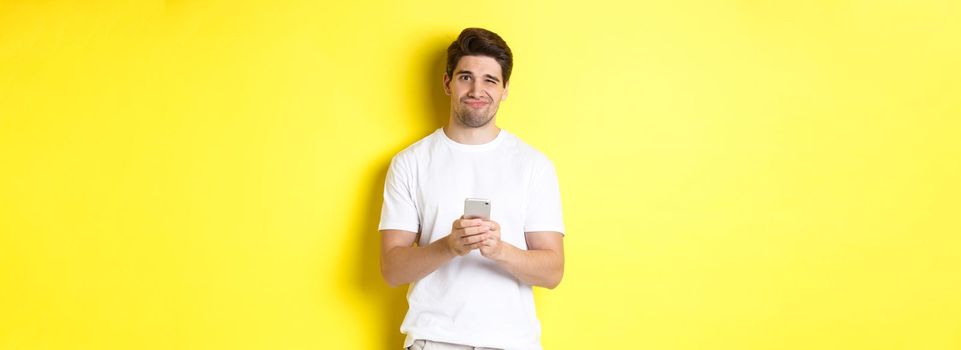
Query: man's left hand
[[492, 247]]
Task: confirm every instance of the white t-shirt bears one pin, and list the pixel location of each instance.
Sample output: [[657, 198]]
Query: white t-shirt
[[470, 300]]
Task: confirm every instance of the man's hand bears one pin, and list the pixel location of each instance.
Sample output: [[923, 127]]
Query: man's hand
[[492, 247], [468, 234]]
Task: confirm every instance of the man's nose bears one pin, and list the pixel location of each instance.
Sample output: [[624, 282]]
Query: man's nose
[[475, 89]]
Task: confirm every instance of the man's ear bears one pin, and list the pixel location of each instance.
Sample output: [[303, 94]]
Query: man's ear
[[446, 84], [506, 86]]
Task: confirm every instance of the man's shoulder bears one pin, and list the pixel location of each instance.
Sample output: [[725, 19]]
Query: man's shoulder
[[417, 148], [525, 150]]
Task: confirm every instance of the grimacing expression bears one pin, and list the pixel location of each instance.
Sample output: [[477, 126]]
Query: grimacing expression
[[476, 90]]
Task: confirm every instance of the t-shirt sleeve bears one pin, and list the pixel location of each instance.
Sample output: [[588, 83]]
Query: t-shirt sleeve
[[399, 211], [544, 207]]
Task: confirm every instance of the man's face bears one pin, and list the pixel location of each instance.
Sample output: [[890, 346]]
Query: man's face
[[475, 90]]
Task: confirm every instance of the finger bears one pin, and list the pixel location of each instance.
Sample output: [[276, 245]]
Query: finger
[[465, 223], [475, 245], [490, 223], [488, 243], [485, 243], [470, 231], [475, 238]]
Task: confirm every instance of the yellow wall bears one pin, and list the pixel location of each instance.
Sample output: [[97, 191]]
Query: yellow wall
[[739, 175]]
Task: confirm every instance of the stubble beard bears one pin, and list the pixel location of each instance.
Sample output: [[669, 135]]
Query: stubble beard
[[474, 118]]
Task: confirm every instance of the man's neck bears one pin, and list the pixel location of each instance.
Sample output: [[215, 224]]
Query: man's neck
[[471, 136]]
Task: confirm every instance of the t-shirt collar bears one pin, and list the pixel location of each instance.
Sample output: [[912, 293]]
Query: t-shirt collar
[[473, 148]]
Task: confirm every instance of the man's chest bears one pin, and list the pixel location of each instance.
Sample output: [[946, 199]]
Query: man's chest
[[442, 187]]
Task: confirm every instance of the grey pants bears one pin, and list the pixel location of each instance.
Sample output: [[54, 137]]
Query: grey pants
[[422, 344]]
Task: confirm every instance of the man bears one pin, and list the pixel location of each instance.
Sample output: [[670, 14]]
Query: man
[[471, 279]]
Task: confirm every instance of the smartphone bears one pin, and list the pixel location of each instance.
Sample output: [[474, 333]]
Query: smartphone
[[477, 208]]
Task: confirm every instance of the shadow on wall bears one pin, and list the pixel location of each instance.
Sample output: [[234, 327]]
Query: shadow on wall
[[392, 302]]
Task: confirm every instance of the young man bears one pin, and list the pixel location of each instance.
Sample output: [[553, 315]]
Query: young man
[[471, 279]]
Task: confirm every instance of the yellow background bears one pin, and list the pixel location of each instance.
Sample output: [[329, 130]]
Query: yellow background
[[735, 175]]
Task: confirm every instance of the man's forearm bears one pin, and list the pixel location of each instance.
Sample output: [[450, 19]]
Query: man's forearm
[[403, 265], [543, 268]]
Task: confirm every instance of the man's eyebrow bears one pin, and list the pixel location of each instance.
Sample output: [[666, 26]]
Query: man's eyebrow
[[460, 72]]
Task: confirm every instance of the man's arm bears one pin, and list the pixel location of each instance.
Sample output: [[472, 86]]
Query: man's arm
[[402, 263], [541, 265]]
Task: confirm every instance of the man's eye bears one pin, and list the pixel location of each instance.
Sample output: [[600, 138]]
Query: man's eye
[[464, 77], [491, 81]]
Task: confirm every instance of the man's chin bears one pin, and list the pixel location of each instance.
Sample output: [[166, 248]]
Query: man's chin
[[475, 123]]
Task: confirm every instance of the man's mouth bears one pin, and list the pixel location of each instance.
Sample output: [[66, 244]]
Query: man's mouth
[[476, 104]]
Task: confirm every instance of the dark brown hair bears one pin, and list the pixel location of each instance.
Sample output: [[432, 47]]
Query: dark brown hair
[[480, 42]]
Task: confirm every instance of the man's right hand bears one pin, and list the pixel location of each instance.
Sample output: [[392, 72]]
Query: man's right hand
[[467, 235]]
